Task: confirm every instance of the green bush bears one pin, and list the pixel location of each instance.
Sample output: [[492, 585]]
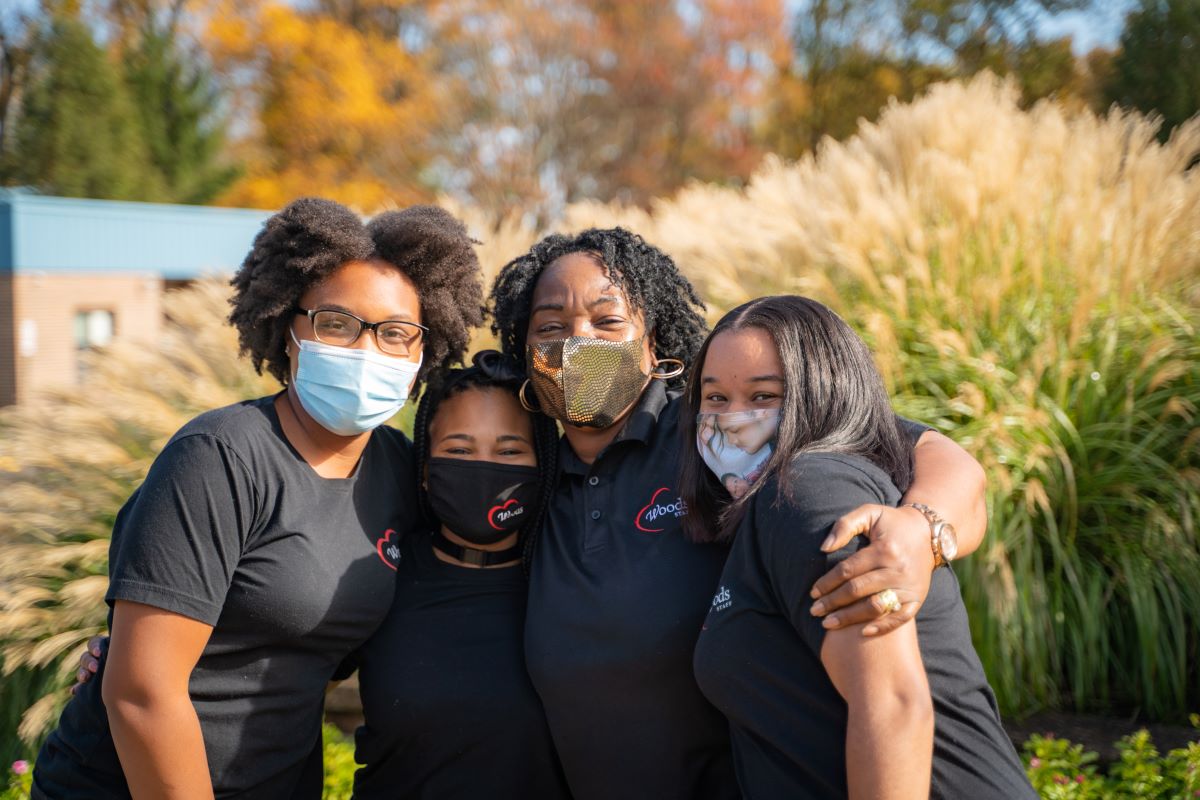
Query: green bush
[[1061, 770], [339, 765]]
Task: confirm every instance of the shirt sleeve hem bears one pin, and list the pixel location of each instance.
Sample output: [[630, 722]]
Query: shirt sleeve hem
[[164, 598]]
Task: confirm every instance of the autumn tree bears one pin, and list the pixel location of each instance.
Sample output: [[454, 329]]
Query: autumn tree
[[334, 109], [604, 99], [851, 56]]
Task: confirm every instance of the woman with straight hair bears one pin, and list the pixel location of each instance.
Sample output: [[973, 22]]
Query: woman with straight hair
[[817, 713]]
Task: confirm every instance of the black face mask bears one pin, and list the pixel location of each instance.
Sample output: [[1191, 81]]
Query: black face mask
[[481, 501]]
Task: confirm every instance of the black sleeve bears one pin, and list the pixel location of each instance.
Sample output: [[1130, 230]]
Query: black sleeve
[[180, 537], [790, 530], [911, 430]]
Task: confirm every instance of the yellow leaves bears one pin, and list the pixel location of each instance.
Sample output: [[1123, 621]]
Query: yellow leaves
[[341, 112]]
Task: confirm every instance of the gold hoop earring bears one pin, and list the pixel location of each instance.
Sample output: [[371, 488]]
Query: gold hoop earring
[[666, 376], [525, 403]]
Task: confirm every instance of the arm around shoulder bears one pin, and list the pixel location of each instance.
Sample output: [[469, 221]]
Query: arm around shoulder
[[949, 479]]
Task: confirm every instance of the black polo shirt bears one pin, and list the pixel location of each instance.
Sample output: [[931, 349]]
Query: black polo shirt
[[616, 599], [759, 656]]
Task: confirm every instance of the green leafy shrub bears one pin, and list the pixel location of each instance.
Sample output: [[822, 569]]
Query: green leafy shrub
[[339, 765], [1060, 770]]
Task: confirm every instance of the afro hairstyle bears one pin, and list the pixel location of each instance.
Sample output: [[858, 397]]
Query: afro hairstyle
[[308, 240], [652, 282]]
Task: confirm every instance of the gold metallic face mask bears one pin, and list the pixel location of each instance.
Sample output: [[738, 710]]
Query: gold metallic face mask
[[586, 382]]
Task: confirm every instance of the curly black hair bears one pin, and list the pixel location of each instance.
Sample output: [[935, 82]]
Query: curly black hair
[[304, 243], [649, 277], [489, 369]]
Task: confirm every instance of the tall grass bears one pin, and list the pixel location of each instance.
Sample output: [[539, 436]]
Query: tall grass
[[1029, 281], [67, 464]]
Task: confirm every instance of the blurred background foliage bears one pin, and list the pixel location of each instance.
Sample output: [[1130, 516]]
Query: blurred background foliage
[[519, 105], [1012, 223]]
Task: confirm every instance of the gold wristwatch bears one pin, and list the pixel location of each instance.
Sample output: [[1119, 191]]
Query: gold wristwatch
[[942, 536]]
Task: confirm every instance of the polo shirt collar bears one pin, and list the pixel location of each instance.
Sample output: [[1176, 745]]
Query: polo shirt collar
[[639, 427]]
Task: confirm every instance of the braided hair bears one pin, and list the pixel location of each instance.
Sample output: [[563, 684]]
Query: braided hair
[[650, 279], [489, 369]]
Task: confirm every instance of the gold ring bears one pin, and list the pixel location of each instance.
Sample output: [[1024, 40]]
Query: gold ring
[[888, 601]]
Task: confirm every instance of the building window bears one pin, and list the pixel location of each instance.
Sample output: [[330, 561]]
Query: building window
[[93, 328]]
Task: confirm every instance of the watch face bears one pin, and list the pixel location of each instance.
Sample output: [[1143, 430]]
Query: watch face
[[948, 540]]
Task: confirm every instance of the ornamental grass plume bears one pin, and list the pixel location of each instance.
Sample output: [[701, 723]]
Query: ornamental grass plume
[[67, 463]]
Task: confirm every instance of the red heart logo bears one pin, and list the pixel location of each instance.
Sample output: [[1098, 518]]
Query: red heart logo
[[496, 510], [389, 551], [637, 521]]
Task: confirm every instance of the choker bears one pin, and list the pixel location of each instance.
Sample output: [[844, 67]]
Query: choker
[[474, 557]]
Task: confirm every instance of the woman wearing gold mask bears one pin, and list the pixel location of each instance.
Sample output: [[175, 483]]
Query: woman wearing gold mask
[[607, 325]]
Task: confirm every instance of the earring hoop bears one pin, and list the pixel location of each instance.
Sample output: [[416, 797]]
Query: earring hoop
[[525, 403], [674, 373]]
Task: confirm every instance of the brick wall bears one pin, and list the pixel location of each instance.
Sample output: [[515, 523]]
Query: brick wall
[[43, 321], [8, 343]]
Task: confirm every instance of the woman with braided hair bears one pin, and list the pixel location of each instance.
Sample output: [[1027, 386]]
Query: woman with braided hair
[[448, 708], [253, 558], [607, 325]]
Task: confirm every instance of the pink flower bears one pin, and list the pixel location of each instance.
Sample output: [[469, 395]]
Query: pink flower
[[20, 767], [1079, 779], [1035, 762]]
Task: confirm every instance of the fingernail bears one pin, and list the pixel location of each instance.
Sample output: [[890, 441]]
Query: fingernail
[[815, 593], [828, 543], [818, 608], [870, 630], [831, 621]]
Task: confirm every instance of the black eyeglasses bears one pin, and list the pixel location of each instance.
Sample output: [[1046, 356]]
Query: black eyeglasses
[[394, 337]]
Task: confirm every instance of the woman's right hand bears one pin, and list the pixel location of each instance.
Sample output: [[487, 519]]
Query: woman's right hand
[[89, 661]]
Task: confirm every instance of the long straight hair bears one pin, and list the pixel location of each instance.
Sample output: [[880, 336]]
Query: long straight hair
[[833, 402]]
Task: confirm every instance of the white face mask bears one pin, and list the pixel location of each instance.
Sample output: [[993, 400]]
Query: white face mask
[[349, 391], [736, 445]]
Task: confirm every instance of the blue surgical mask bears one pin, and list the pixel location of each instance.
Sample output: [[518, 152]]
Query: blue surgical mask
[[736, 445], [349, 391]]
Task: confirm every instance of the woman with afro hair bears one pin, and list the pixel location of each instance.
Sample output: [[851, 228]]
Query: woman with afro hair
[[262, 547], [607, 326]]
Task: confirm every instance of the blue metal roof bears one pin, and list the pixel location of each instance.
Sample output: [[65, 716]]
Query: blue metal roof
[[63, 234]]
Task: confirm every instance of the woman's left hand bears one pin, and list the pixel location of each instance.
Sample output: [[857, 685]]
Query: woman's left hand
[[899, 558]]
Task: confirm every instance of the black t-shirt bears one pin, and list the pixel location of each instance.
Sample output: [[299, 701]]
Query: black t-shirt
[[293, 571], [758, 658], [616, 599], [448, 707]]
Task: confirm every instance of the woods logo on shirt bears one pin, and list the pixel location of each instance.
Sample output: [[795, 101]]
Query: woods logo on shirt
[[500, 515], [662, 506], [388, 548], [722, 599]]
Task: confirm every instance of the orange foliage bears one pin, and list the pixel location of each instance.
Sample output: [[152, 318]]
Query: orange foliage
[[337, 111]]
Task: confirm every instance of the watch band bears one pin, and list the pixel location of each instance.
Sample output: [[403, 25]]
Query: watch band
[[936, 523]]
